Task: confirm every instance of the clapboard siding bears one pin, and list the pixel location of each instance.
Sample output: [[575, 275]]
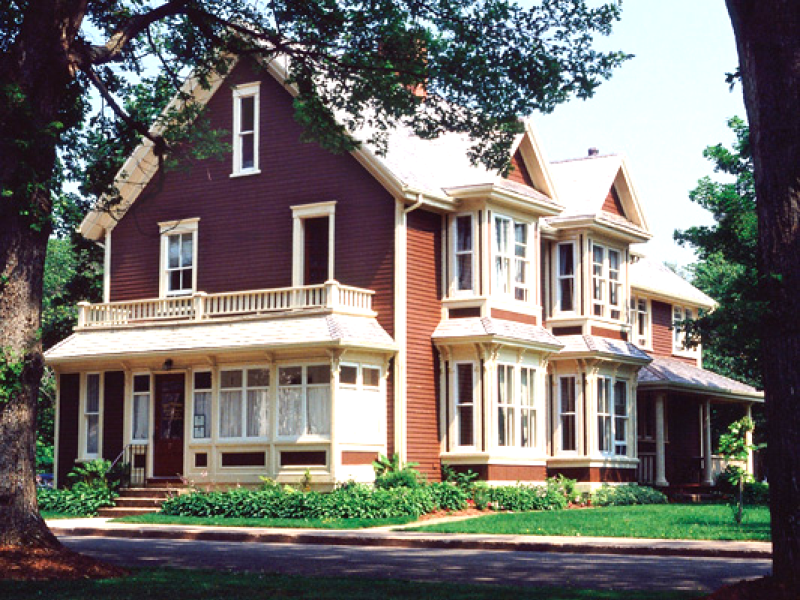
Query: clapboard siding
[[424, 312], [69, 398], [245, 227], [519, 172], [612, 203], [113, 413], [662, 328]]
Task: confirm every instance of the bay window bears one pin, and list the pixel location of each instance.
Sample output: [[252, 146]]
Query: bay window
[[527, 407], [621, 418], [612, 416], [304, 401], [243, 403], [463, 253], [604, 426], [516, 408], [606, 282], [464, 404], [505, 405], [566, 411], [511, 258]]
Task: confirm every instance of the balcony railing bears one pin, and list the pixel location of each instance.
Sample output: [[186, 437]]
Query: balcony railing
[[204, 307]]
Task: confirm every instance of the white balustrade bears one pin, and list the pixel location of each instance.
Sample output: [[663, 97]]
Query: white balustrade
[[203, 307]]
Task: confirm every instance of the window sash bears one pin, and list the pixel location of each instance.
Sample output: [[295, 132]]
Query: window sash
[[566, 277], [91, 411], [511, 258], [567, 413], [304, 401], [246, 125], [621, 418], [506, 417], [465, 404], [604, 425], [463, 253]]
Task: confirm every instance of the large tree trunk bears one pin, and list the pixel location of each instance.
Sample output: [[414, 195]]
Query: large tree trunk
[[37, 101], [768, 41]]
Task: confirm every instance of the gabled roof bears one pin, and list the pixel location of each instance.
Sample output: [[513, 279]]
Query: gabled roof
[[436, 171], [496, 330], [590, 345], [583, 185], [670, 373], [660, 282]]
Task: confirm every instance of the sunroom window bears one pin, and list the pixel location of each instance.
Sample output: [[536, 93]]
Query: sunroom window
[[304, 401], [511, 258], [244, 403]]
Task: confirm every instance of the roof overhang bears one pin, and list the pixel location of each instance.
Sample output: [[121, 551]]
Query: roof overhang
[[629, 233], [701, 390], [661, 296], [447, 341], [505, 197]]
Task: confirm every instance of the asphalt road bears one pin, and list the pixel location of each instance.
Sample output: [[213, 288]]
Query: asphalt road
[[458, 566]]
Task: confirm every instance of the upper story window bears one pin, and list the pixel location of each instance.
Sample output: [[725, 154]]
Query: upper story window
[[565, 287], [178, 257], [639, 316], [313, 243], [606, 282], [245, 129], [511, 258], [680, 314], [463, 254]]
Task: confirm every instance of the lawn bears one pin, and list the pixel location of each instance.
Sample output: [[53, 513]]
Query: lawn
[[662, 521], [159, 519], [216, 585]]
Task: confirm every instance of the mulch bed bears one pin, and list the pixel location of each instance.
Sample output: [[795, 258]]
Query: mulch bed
[[45, 563], [757, 589]]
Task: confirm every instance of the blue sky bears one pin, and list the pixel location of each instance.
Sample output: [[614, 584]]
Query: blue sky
[[660, 110]]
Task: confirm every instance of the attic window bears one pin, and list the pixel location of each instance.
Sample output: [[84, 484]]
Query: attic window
[[245, 129], [178, 257]]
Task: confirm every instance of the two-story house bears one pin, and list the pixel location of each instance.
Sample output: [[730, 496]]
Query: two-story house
[[283, 309]]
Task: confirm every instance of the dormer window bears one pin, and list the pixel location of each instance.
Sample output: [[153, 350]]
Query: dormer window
[[511, 258], [178, 257], [245, 129], [606, 282], [565, 289]]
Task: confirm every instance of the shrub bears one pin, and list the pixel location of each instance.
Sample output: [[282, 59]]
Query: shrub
[[521, 497], [93, 488], [626, 495], [756, 492], [391, 473], [449, 496], [464, 480]]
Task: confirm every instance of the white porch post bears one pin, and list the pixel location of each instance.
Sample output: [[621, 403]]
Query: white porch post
[[708, 478], [748, 439], [661, 460]]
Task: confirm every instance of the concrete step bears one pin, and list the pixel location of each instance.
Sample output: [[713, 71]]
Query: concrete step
[[149, 492], [118, 511], [123, 502]]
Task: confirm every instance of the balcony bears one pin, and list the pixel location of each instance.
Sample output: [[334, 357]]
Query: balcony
[[202, 307]]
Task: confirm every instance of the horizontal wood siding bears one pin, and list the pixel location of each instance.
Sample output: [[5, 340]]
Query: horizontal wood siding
[[505, 472], [424, 313], [513, 316], [358, 458], [519, 172], [612, 203], [614, 334], [662, 328], [113, 413], [245, 227], [69, 398]]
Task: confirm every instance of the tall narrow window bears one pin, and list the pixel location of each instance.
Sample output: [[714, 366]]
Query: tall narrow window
[[245, 129], [621, 418], [179, 257], [640, 321], [566, 277], [91, 413], [566, 397], [230, 404], [607, 291], [511, 258], [313, 243], [604, 414], [463, 253], [614, 284], [141, 408], [465, 405], [527, 417], [201, 421], [505, 405], [598, 280]]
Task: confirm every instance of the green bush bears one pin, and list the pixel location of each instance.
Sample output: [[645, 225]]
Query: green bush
[[626, 495], [756, 492], [391, 473], [94, 487], [521, 497]]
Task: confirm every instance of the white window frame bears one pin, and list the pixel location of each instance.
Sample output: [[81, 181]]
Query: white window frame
[[604, 280], [244, 388], [134, 396], [304, 387], [85, 414], [561, 277], [457, 252], [311, 211], [527, 407], [681, 313], [507, 255], [470, 366], [169, 229], [640, 317], [611, 418], [617, 418], [605, 415], [246, 90], [210, 390], [563, 413], [509, 404]]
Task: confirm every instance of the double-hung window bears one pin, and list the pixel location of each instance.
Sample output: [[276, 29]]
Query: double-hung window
[[606, 282], [565, 288], [511, 258], [463, 253], [621, 418], [567, 414], [91, 416], [465, 404], [141, 408], [505, 405], [612, 416], [527, 407], [304, 401], [245, 129], [178, 257], [680, 314], [604, 424], [243, 403], [640, 321]]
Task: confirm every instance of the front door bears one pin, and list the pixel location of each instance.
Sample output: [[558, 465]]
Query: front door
[[168, 430]]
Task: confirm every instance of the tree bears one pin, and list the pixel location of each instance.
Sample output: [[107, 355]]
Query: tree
[[768, 45], [726, 267], [481, 63], [734, 446]]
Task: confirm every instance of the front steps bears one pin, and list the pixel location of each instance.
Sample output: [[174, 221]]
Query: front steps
[[142, 500]]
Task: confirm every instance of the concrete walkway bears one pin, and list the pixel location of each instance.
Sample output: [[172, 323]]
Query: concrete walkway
[[395, 536]]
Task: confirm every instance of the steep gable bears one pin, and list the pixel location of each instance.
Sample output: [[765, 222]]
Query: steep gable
[[613, 204], [519, 172]]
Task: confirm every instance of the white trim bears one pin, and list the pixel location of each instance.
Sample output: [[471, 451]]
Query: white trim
[[241, 92], [558, 277], [172, 228], [300, 213], [510, 255], [82, 428], [132, 408], [107, 267], [456, 404], [635, 316], [679, 337], [454, 253]]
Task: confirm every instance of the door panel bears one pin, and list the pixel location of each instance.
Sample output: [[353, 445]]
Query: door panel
[[168, 426]]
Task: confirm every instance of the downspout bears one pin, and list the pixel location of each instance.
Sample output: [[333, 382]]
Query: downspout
[[414, 206]]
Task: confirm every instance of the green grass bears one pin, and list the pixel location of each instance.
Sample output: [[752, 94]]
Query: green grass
[[216, 585], [159, 519], [662, 521]]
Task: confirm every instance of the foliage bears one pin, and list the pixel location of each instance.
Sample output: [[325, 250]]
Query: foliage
[[756, 493], [94, 486], [726, 268], [734, 446], [162, 519], [551, 496], [626, 495], [391, 473], [463, 479]]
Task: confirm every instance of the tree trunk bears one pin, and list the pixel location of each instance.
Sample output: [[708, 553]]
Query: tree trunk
[[39, 99], [768, 41]]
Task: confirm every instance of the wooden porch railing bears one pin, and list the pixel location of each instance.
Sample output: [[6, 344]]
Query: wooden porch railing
[[204, 307]]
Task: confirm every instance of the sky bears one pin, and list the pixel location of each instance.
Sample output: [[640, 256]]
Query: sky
[[661, 109]]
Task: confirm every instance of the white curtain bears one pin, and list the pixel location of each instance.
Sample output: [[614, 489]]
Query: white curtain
[[257, 413], [290, 411], [202, 407], [230, 414], [319, 410], [141, 406]]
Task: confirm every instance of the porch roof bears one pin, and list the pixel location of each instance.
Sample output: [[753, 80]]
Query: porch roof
[[490, 329], [321, 329], [591, 345], [672, 374]]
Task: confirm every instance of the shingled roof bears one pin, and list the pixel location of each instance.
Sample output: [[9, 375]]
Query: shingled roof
[[675, 374], [495, 329]]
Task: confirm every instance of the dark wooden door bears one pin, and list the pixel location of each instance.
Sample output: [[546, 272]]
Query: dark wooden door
[[168, 430]]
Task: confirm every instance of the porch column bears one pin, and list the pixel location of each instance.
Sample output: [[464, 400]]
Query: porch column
[[748, 439], [661, 462], [705, 434]]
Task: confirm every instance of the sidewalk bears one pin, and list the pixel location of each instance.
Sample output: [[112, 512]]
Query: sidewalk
[[394, 536]]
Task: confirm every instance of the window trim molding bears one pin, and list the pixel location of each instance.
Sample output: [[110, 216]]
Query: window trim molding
[[453, 254], [83, 431], [167, 229], [150, 404], [529, 287], [301, 212], [216, 392], [612, 416], [634, 316], [679, 337], [456, 438], [245, 90], [558, 278], [559, 445], [605, 283]]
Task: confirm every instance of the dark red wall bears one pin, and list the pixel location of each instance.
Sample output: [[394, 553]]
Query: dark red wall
[[113, 413]]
